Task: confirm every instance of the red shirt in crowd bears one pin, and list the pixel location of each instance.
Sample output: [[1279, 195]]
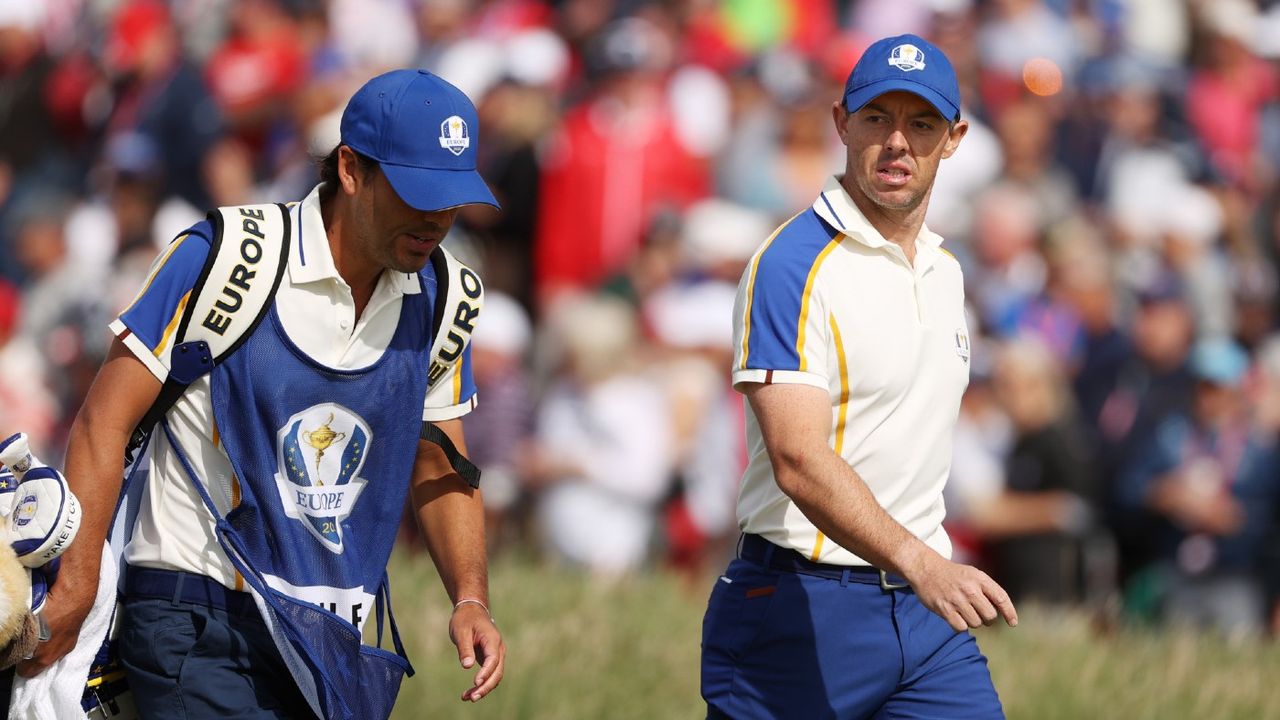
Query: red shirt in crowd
[[607, 171]]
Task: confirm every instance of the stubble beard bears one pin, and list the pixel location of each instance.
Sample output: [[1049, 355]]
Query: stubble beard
[[384, 250], [896, 202], [408, 265]]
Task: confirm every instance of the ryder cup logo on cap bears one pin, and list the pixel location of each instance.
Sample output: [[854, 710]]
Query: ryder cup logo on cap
[[907, 58], [453, 135], [905, 63], [390, 119]]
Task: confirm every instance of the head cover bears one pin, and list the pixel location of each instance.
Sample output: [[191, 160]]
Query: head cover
[[45, 515], [1219, 361], [422, 132], [908, 63]]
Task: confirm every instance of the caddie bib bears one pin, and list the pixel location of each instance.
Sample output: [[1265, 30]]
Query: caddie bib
[[322, 460]]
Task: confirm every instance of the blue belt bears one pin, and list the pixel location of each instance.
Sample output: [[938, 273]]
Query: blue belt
[[154, 584], [756, 549]]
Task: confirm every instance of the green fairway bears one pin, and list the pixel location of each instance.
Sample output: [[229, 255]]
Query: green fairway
[[591, 650]]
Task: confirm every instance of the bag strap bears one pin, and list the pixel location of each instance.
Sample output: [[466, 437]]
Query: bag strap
[[250, 245], [459, 462], [440, 265], [382, 604], [459, 297]]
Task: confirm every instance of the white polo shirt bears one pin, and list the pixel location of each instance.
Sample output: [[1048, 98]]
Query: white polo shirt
[[174, 529], [828, 302]]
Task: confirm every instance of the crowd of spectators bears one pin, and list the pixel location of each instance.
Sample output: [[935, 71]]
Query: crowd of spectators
[[1115, 206]]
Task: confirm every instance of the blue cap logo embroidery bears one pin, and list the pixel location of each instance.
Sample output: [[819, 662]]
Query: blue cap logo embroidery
[[907, 58], [453, 135]]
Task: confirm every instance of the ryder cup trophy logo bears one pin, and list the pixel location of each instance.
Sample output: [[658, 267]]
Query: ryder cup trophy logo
[[454, 136], [320, 440], [320, 453], [907, 58]]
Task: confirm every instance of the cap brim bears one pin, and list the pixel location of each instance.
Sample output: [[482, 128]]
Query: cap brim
[[865, 94], [430, 190]]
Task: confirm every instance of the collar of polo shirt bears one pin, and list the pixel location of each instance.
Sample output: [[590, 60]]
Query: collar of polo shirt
[[837, 208], [311, 260]]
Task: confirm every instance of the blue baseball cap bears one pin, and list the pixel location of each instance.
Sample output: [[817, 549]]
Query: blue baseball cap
[[908, 63], [422, 132], [1219, 361]]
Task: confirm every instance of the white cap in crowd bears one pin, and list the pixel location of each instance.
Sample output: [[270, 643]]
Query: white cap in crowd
[[697, 316], [718, 231], [28, 15], [1193, 214], [503, 326]]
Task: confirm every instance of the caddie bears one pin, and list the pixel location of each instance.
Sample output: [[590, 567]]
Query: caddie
[[294, 436]]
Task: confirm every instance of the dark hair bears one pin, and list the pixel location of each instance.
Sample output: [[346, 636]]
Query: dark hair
[[328, 167]]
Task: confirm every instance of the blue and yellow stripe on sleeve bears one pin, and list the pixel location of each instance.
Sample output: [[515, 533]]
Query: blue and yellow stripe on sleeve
[[154, 314], [780, 286], [464, 381]]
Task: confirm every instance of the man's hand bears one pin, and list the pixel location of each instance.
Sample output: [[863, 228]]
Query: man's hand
[[964, 596], [63, 613], [1194, 499], [478, 640]]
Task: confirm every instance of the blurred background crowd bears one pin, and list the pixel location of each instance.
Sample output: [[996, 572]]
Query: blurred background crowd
[[1115, 206]]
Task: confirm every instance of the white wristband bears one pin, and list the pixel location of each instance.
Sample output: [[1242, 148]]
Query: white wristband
[[464, 601]]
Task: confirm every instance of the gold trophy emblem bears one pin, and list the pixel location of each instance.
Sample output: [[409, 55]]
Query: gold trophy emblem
[[320, 439]]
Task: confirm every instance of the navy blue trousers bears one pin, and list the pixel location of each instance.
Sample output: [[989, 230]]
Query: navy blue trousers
[[777, 644], [184, 660]]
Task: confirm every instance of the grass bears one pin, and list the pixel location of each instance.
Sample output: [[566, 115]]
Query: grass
[[580, 648], [1054, 666], [577, 648]]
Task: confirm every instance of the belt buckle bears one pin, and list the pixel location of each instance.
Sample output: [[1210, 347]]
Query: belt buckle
[[886, 585]]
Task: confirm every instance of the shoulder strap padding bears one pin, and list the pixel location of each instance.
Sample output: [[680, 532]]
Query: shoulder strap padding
[[459, 299], [248, 254], [240, 278]]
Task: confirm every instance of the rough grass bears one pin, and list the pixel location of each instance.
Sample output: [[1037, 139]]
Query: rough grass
[[580, 648], [1055, 666]]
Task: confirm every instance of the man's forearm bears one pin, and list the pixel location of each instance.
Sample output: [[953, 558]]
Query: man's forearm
[[451, 515], [796, 422], [839, 503], [117, 400], [95, 460]]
